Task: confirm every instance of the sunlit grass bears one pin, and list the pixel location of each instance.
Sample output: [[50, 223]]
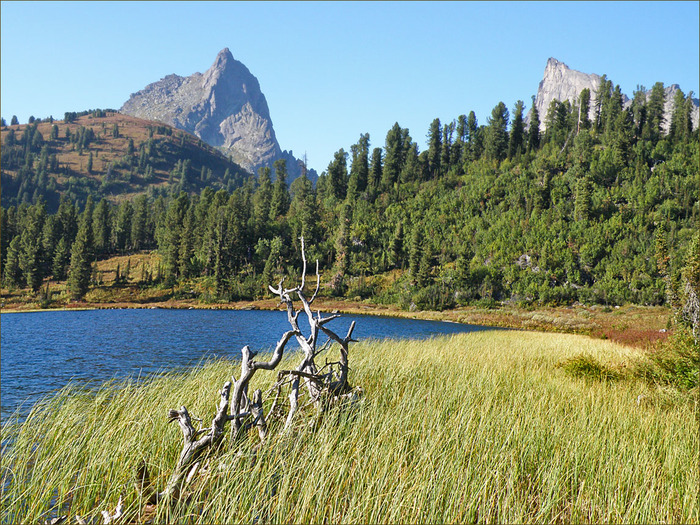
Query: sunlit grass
[[486, 427]]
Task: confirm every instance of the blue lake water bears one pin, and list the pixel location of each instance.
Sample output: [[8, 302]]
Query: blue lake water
[[40, 352]]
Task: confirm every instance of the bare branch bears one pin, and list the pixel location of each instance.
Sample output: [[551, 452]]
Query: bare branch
[[192, 449], [312, 377], [318, 285], [257, 410]]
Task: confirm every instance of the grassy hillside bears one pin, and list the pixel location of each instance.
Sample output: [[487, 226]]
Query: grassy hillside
[[130, 156], [486, 427]]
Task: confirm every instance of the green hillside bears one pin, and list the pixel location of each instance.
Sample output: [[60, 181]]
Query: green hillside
[[106, 154]]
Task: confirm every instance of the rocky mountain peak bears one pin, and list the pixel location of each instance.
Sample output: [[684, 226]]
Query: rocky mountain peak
[[224, 57], [224, 106], [562, 83]]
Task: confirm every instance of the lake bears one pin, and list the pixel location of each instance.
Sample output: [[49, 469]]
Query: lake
[[42, 351]]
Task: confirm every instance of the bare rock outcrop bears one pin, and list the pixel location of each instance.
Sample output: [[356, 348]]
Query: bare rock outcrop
[[563, 83], [224, 106]]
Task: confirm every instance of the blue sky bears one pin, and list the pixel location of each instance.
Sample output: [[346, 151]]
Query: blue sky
[[333, 70]]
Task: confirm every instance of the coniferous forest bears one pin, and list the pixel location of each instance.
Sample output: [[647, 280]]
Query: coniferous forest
[[599, 210]]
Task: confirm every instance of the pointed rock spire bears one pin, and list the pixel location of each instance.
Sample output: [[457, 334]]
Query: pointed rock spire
[[223, 106]]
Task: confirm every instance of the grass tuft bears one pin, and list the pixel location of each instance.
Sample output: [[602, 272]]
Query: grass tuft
[[587, 366]]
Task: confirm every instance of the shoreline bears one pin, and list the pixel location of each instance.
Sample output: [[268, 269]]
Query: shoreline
[[631, 325]]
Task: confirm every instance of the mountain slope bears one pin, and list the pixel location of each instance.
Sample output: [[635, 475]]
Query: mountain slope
[[130, 156]]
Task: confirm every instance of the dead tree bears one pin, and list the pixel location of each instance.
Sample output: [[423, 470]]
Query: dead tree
[[324, 386], [307, 370]]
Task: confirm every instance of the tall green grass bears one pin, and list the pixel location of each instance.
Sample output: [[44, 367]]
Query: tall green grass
[[482, 427]]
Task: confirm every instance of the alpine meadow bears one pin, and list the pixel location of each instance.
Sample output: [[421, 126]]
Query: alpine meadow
[[568, 222]]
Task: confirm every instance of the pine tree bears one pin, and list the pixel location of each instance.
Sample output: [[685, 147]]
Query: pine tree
[[359, 169], [186, 251], [681, 123], [434, 148], [584, 121], [11, 271], [655, 113], [271, 262], [602, 96], [412, 168], [279, 203], [393, 156], [101, 223], [663, 265], [425, 267], [261, 202], [81, 260], [61, 260], [691, 289], [496, 146], [338, 174], [415, 250], [583, 199], [396, 251], [31, 256], [122, 227], [342, 241], [376, 168], [10, 138], [169, 241], [139, 223], [446, 154], [517, 132], [471, 152]]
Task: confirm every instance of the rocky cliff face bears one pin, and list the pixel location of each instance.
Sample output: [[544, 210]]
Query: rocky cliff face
[[562, 83], [223, 106]]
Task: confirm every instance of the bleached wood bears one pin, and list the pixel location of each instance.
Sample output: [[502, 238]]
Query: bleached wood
[[192, 447], [249, 367]]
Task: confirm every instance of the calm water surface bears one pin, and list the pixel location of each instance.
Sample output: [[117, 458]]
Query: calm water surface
[[41, 352]]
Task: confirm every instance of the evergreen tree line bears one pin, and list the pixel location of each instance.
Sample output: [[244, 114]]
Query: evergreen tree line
[[582, 211]]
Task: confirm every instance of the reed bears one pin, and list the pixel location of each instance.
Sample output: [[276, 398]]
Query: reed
[[480, 427]]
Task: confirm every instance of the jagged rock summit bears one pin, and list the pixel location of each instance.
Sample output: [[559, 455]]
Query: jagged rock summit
[[223, 106], [563, 83]]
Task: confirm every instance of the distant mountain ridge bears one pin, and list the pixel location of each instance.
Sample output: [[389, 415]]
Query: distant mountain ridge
[[563, 83], [224, 106]]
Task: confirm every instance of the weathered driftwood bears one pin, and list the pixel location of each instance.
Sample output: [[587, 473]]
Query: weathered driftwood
[[316, 383], [192, 447], [248, 368], [322, 386]]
